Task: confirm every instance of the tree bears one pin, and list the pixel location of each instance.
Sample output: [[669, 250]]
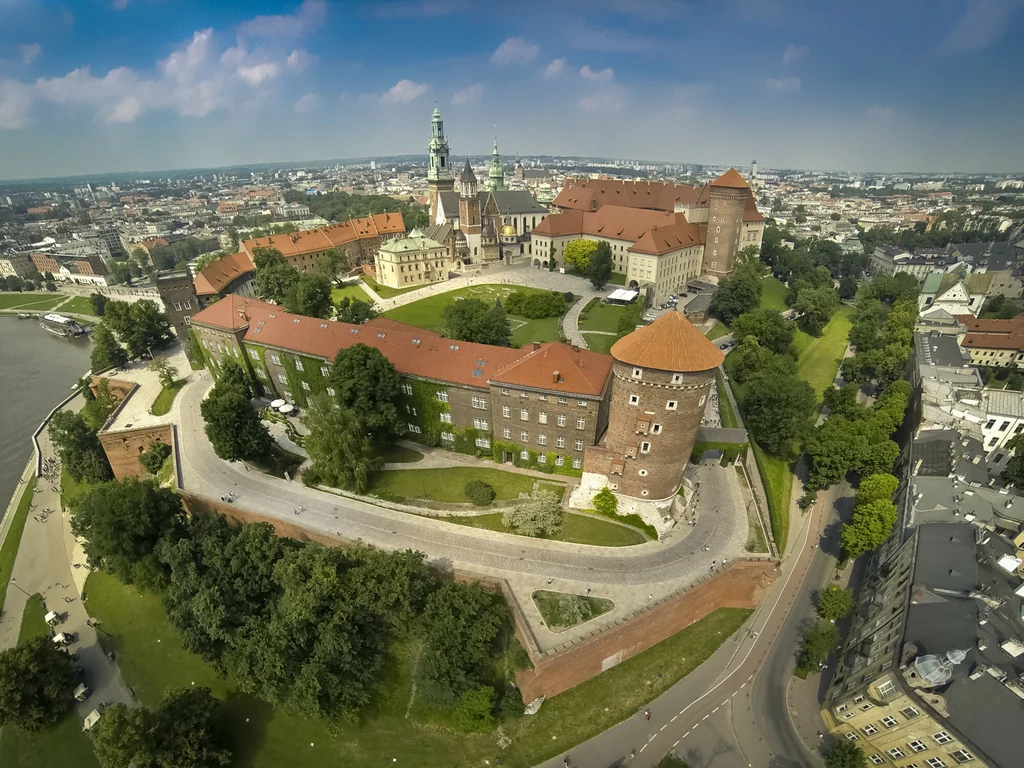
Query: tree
[[818, 641], [140, 256], [1014, 472], [600, 268], [310, 295], [816, 305], [79, 449], [749, 358], [123, 523], [737, 295], [29, 285], [473, 712], [541, 516], [338, 447], [183, 732], [833, 451], [779, 408], [473, 320], [847, 288], [106, 351], [772, 330], [479, 492], [834, 602], [207, 259], [842, 401], [875, 488], [870, 525], [36, 681], [233, 426], [355, 311], [140, 325], [845, 754], [15, 283], [153, 458], [535, 304], [332, 263], [606, 502], [274, 276], [366, 383], [578, 252], [165, 371]]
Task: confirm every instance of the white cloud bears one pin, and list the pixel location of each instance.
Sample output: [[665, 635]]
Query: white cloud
[[783, 83], [554, 69], [298, 60], [515, 50], [403, 92], [598, 77], [793, 53], [469, 95], [15, 103], [983, 22], [258, 73], [307, 102], [589, 38], [308, 15], [120, 5], [606, 100], [880, 113], [29, 52]]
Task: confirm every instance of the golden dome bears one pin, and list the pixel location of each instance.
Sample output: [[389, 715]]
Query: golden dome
[[508, 231]]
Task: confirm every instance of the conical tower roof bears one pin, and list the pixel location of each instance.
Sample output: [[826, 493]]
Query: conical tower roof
[[731, 179], [670, 343], [467, 173]]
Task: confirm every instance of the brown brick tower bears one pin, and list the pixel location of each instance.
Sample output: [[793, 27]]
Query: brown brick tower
[[727, 198], [660, 381]]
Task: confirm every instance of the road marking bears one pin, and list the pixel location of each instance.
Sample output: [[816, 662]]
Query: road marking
[[743, 685], [651, 739], [643, 747], [705, 717], [674, 719], [715, 710], [675, 745], [726, 701], [663, 727]]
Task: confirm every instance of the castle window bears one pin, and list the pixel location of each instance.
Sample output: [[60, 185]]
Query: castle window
[[576, 464], [677, 378], [524, 415], [542, 417], [507, 433], [634, 399], [441, 396], [407, 389], [483, 442], [330, 391], [656, 429], [524, 454], [702, 399], [542, 439], [559, 461], [638, 373], [671, 405], [446, 417], [281, 378], [305, 385], [298, 365], [561, 420], [254, 354], [506, 411], [524, 436], [645, 447], [324, 370], [579, 445], [275, 359], [560, 442]]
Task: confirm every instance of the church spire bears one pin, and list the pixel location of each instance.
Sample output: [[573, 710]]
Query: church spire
[[438, 168], [495, 174]]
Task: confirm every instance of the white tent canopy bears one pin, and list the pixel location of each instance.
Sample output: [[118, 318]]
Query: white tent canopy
[[622, 294]]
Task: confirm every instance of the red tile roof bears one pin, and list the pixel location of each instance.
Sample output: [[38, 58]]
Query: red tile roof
[[214, 276], [325, 238], [670, 343], [994, 341], [593, 194], [560, 368], [615, 222], [730, 179], [670, 237], [987, 326]]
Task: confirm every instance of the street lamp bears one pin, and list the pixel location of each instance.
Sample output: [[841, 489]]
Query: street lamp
[[14, 581]]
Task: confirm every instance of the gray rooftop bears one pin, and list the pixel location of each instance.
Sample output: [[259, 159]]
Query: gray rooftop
[[517, 201], [950, 500], [936, 348]]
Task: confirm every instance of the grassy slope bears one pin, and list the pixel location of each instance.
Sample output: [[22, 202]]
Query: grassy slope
[[79, 305], [725, 405], [604, 317], [819, 357], [577, 529], [389, 293], [718, 330], [30, 301], [9, 550], [600, 342], [352, 291], [428, 312], [773, 294], [447, 484], [162, 403]]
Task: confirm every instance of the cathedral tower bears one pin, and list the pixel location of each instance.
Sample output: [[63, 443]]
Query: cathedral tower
[[439, 172], [469, 202], [495, 174]]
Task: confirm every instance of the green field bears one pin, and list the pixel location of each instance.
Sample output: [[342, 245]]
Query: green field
[[162, 403], [577, 529], [428, 313], [819, 357], [718, 330], [773, 294], [388, 293], [31, 301], [606, 317], [600, 342], [152, 659], [9, 550], [724, 404], [33, 619], [398, 454], [447, 484], [552, 610], [352, 291], [79, 305]]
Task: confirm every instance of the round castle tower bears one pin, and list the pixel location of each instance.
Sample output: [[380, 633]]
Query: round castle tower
[[660, 382]]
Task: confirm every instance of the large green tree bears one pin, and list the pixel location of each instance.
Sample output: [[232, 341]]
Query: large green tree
[[99, 303], [846, 754], [183, 732], [816, 307], [310, 295], [542, 516], [1014, 471], [355, 311], [749, 358], [36, 681], [274, 275], [577, 253], [778, 409], [232, 424], [599, 270], [871, 524], [834, 602], [771, 329], [818, 641], [737, 294], [339, 448], [474, 320], [78, 447], [123, 523], [140, 325], [875, 487], [367, 384]]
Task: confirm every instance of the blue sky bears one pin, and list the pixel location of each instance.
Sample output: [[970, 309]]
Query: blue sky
[[114, 85]]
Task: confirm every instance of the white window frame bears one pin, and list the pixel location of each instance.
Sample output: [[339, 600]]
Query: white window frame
[[507, 433], [560, 442], [446, 417], [671, 405], [506, 412], [942, 738], [524, 415], [542, 417], [330, 391], [634, 399], [305, 385], [282, 378], [577, 463], [298, 365], [542, 439], [918, 746], [524, 455], [579, 445], [441, 396], [561, 419], [275, 358]]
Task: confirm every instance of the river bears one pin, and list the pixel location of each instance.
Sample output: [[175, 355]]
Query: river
[[37, 371]]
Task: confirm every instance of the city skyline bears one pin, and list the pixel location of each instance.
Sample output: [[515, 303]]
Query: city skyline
[[141, 86]]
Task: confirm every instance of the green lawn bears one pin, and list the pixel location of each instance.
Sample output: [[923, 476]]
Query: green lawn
[[152, 659], [9, 551], [71, 489], [725, 405], [819, 357], [600, 342], [553, 610], [166, 471], [577, 529], [773, 294], [58, 747], [606, 317], [30, 301], [163, 401], [718, 330], [385, 292], [672, 760], [79, 305], [428, 313], [447, 484], [397, 454], [352, 291]]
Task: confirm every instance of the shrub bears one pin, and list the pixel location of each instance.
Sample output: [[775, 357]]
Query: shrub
[[510, 705], [606, 502], [535, 305], [569, 297], [154, 458], [479, 492], [542, 516], [473, 712]]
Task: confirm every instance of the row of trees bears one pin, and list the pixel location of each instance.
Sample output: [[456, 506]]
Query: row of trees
[[537, 304], [16, 284], [874, 516], [308, 293], [592, 259], [128, 330], [477, 321], [297, 624], [342, 206]]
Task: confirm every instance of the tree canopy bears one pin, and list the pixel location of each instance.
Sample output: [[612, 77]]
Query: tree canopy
[[106, 351], [473, 320], [834, 602], [36, 681], [772, 330], [600, 268], [355, 311], [739, 293], [310, 295], [577, 253], [536, 304], [778, 409], [339, 448], [367, 384], [140, 325], [78, 447], [232, 424], [542, 516], [275, 277]]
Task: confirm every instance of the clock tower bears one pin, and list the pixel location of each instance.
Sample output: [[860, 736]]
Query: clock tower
[[439, 172]]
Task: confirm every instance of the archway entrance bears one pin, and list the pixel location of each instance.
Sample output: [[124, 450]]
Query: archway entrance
[[634, 285], [545, 265], [536, 262]]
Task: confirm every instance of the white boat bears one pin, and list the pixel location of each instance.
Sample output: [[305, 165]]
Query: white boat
[[59, 325]]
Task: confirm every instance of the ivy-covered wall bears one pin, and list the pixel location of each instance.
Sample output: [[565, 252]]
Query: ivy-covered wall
[[310, 374], [499, 447], [423, 409]]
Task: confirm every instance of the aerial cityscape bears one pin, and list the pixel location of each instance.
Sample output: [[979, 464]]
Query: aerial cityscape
[[431, 383]]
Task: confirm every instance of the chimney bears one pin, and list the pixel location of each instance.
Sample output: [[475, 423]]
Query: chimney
[[574, 347], [555, 376], [536, 345]]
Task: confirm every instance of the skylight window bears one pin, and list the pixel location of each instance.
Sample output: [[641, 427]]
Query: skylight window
[[477, 373], [481, 363]]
